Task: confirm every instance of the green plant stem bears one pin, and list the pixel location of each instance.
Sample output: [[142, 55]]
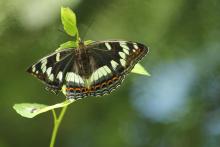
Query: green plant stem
[[57, 121]]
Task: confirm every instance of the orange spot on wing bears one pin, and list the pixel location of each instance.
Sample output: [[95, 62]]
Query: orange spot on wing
[[77, 89], [93, 88]]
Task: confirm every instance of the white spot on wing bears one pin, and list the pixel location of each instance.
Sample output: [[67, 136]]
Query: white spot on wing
[[123, 45], [43, 65], [33, 68], [102, 70], [76, 78], [60, 76], [94, 77], [99, 73], [58, 57], [114, 64], [122, 55], [126, 51], [49, 71], [81, 80], [123, 62], [108, 46], [51, 77], [44, 69], [107, 69], [44, 61], [70, 76], [135, 45]]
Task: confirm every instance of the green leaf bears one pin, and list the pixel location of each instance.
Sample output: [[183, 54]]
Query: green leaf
[[30, 110], [68, 19], [68, 44], [87, 42], [139, 69]]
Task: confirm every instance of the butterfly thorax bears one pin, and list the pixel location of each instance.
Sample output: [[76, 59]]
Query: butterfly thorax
[[81, 57]]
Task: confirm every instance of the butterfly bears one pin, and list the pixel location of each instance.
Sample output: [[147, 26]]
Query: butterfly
[[95, 69]]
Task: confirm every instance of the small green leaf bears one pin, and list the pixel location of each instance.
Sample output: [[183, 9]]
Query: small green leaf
[[30, 110], [87, 42], [68, 19], [68, 44], [139, 69]]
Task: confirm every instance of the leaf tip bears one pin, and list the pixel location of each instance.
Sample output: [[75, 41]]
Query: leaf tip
[[139, 69]]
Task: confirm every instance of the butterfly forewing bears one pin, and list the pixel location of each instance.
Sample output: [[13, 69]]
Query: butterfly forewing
[[123, 53], [50, 69], [92, 70]]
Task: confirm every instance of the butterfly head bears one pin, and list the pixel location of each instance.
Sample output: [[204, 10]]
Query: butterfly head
[[81, 47]]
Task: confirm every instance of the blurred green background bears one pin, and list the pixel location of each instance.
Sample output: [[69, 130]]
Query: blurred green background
[[178, 106]]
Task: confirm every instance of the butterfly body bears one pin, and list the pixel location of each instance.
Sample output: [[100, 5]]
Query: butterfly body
[[89, 70]]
